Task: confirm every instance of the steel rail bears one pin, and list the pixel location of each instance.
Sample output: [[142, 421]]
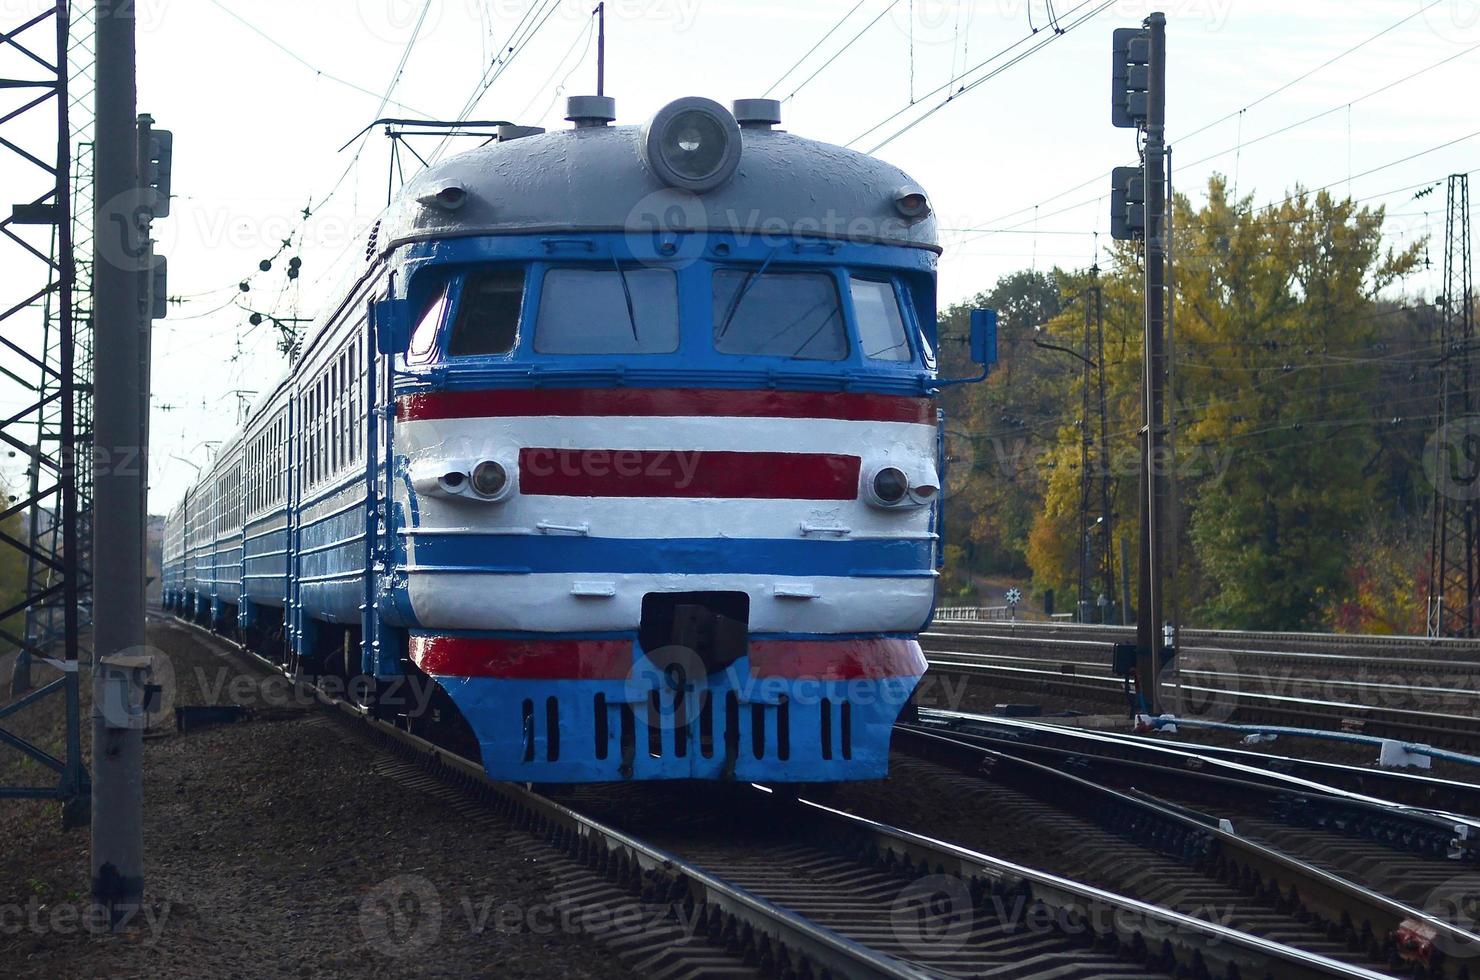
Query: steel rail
[[1385, 925], [1421, 790], [1435, 728]]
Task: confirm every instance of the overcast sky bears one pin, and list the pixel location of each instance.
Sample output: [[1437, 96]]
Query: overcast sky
[[262, 95]]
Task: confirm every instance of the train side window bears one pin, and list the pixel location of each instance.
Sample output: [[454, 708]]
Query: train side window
[[488, 313], [880, 326], [778, 314], [424, 337], [606, 311]]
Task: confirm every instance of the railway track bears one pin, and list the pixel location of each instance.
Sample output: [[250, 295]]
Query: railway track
[[1286, 873], [1406, 788], [833, 894], [1276, 687], [1373, 644]]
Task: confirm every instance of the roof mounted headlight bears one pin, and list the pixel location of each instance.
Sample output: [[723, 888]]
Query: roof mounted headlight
[[911, 202], [692, 144]]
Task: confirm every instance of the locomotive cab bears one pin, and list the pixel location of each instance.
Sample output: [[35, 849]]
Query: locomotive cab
[[658, 490]]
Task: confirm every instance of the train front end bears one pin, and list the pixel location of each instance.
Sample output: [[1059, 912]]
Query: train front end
[[665, 466]]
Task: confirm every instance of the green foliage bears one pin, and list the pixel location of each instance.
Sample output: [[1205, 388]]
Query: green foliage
[[1300, 403]]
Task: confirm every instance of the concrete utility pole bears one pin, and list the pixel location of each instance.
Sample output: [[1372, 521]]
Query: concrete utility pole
[[120, 666]]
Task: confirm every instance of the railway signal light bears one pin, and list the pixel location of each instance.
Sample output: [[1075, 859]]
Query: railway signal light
[[159, 164], [1130, 77], [158, 295], [1127, 203]]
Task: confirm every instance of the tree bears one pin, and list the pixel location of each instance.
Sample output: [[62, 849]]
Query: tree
[[1280, 440]]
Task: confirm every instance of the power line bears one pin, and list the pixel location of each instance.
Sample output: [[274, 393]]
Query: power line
[[303, 61], [587, 34], [1336, 108], [830, 31], [836, 54], [510, 50], [966, 88], [1098, 177], [1323, 65]]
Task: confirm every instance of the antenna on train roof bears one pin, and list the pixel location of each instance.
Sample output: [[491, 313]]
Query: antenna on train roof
[[600, 13]]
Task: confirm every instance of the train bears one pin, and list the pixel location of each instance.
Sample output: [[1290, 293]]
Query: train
[[621, 444]]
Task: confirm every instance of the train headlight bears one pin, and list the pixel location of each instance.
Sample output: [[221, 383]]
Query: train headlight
[[889, 486], [692, 144], [491, 480]]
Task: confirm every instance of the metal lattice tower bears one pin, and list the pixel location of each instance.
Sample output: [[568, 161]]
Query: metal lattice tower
[[37, 386], [44, 621], [1452, 601], [82, 66]]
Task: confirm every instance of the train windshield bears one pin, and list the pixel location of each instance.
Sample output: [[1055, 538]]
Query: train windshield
[[779, 314], [608, 311], [488, 315], [880, 327]]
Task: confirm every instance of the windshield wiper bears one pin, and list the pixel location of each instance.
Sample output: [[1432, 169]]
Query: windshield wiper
[[750, 277], [627, 294]]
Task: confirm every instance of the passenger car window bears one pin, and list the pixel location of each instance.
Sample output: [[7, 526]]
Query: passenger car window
[[587, 311], [780, 314], [880, 326], [488, 313]]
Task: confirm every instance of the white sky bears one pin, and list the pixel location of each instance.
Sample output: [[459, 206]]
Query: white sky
[[257, 133]]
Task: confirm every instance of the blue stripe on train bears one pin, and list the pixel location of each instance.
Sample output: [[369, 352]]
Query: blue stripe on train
[[527, 554]]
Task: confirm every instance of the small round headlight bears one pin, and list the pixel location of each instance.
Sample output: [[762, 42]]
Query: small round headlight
[[490, 478], [692, 144], [890, 485]]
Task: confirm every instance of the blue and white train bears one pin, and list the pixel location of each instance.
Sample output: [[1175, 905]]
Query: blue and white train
[[625, 438]]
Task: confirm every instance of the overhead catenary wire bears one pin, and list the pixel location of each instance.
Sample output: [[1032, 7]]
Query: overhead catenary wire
[[1201, 129], [303, 61], [812, 50], [838, 53]]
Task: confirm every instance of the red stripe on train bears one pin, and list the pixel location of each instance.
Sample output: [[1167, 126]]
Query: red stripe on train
[[687, 473], [710, 402], [836, 660], [580, 660]]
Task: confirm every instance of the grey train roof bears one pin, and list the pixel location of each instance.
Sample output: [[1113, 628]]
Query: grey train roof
[[596, 178]]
